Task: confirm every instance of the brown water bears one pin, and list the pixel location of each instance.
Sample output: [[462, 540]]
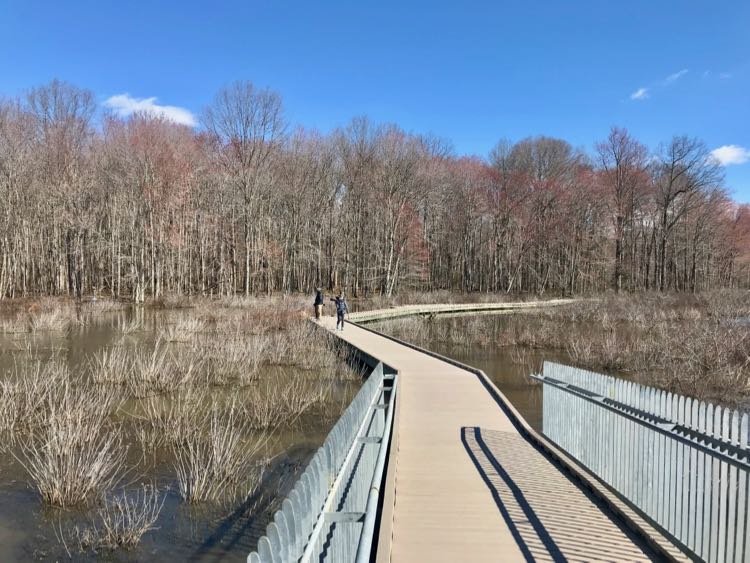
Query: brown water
[[30, 530]]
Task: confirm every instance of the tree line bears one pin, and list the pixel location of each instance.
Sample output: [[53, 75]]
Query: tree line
[[245, 204]]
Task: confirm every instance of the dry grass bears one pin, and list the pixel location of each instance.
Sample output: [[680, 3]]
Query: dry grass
[[55, 320], [690, 344], [182, 330]]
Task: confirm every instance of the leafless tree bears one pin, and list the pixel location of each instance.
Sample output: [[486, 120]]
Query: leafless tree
[[142, 207], [623, 164]]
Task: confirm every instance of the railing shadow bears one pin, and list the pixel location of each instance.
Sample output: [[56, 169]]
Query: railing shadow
[[479, 453], [550, 517], [247, 522]]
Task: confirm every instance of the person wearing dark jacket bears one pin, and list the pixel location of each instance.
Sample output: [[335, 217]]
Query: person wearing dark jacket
[[341, 310], [319, 302]]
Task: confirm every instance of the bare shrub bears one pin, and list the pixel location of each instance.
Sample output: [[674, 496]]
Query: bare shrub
[[302, 393], [282, 402], [264, 408], [235, 360], [54, 320], [412, 329], [345, 371], [219, 462], [76, 454], [101, 306], [172, 421], [111, 365], [580, 351], [182, 330], [122, 520], [26, 395], [277, 348], [129, 326], [156, 371], [13, 325]]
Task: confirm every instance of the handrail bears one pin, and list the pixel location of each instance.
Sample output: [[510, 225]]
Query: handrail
[[339, 488], [308, 554], [657, 424], [364, 548]]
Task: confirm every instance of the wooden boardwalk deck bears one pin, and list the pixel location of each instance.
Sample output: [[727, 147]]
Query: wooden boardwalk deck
[[463, 483]]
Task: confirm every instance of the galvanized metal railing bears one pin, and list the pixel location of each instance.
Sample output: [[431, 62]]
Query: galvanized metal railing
[[330, 514], [684, 463]]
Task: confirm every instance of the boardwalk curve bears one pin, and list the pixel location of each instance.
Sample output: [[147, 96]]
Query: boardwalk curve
[[465, 485]]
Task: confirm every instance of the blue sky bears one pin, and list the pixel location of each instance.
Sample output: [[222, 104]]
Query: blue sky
[[472, 72]]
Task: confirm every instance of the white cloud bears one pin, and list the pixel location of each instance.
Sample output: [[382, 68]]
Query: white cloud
[[676, 76], [731, 154], [724, 75], [640, 94], [125, 105]]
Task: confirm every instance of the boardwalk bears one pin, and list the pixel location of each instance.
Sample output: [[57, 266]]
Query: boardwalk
[[464, 485]]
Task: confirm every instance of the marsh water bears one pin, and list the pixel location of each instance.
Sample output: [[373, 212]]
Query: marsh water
[[29, 530]]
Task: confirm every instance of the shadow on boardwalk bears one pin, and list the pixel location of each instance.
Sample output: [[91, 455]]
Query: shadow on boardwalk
[[550, 517]]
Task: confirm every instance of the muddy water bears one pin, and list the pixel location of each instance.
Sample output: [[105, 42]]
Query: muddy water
[[31, 531]]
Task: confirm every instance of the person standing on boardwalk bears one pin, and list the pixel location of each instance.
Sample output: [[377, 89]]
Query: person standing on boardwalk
[[341, 310], [319, 302]]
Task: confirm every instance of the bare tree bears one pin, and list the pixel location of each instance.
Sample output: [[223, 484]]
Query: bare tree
[[247, 126], [142, 207], [62, 115], [683, 172], [623, 163]]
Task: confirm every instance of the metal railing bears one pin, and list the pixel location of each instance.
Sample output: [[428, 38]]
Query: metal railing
[[682, 462], [330, 514]]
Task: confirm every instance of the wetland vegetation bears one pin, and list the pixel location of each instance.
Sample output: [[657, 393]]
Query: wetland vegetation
[[696, 345], [142, 432]]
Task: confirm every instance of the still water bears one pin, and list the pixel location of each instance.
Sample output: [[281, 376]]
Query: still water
[[29, 530]]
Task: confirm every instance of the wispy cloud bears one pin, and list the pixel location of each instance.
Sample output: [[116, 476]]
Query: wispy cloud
[[640, 94], [725, 75], [125, 105], [645, 91], [731, 154], [675, 76]]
